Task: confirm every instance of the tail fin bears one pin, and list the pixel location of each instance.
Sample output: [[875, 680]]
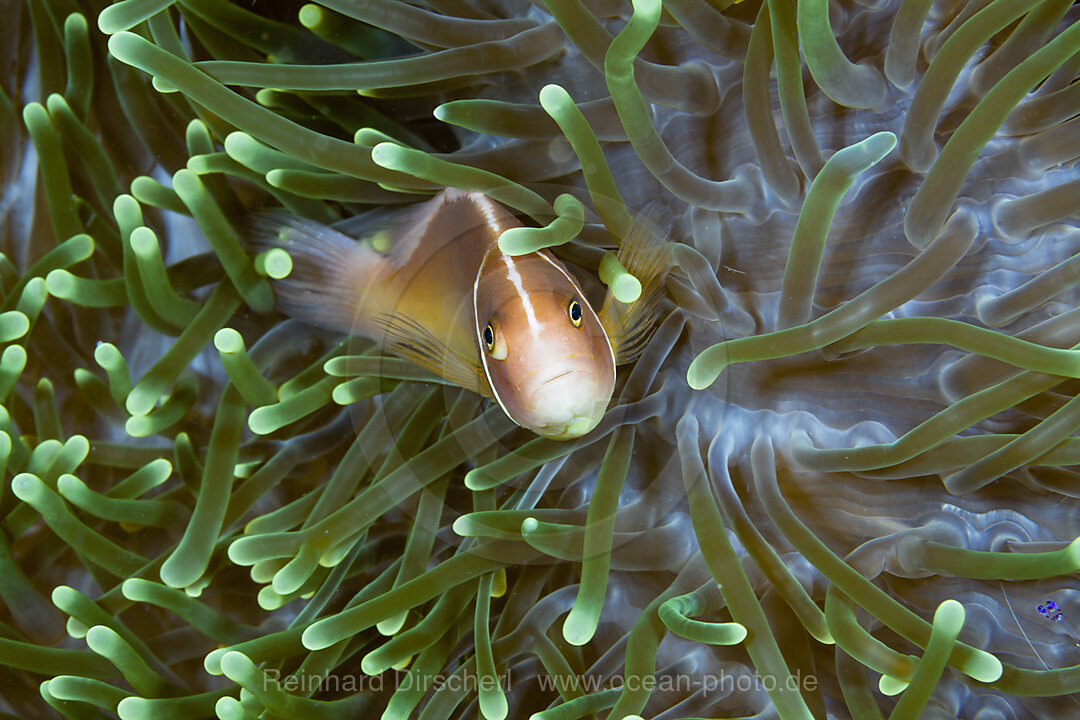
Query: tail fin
[[327, 269], [646, 254]]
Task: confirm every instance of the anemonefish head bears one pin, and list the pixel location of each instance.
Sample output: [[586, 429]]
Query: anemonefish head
[[546, 356]]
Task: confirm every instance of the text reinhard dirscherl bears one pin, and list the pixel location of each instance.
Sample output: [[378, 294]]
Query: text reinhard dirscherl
[[470, 682]]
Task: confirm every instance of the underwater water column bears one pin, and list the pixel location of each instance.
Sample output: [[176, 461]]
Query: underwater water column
[[839, 482]]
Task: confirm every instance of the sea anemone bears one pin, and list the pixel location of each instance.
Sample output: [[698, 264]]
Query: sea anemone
[[839, 481]]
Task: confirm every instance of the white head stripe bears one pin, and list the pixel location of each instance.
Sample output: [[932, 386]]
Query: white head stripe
[[526, 302]]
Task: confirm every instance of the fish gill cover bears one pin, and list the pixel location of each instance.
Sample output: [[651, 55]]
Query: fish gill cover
[[840, 481]]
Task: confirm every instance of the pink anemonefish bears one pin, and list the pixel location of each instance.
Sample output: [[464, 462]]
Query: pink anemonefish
[[431, 284]]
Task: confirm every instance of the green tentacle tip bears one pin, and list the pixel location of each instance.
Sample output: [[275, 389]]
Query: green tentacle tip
[[476, 479], [27, 487], [76, 22], [137, 589], [949, 616], [890, 686], [81, 247], [633, 37], [144, 479], [293, 576], [580, 625], [441, 113], [310, 16], [178, 572], [77, 248], [102, 640], [108, 357], [163, 86], [243, 148], [266, 97], [148, 191], [229, 708], [493, 705], [463, 526], [863, 155], [237, 666], [140, 426], [370, 137], [268, 599], [71, 487], [75, 628], [355, 390], [14, 324], [392, 626], [705, 368], [109, 644], [648, 9], [321, 635], [94, 692], [554, 99], [565, 227], [195, 589], [274, 263], [246, 550], [394, 157], [135, 708], [266, 419], [249, 152], [32, 298], [90, 293], [126, 209], [258, 156], [227, 340], [13, 359], [198, 139], [61, 284], [673, 613], [212, 661], [983, 667], [126, 15], [35, 116], [370, 664], [64, 596], [624, 286], [144, 242], [498, 583]]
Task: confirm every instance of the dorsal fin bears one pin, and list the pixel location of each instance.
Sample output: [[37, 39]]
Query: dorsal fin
[[446, 218]]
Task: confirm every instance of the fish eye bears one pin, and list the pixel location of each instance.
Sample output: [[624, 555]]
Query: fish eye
[[493, 340], [575, 313]]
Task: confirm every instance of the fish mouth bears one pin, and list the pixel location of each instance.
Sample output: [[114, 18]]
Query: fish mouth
[[566, 405], [562, 381], [556, 376]]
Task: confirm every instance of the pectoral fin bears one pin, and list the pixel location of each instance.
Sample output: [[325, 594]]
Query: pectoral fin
[[646, 253], [406, 338]]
